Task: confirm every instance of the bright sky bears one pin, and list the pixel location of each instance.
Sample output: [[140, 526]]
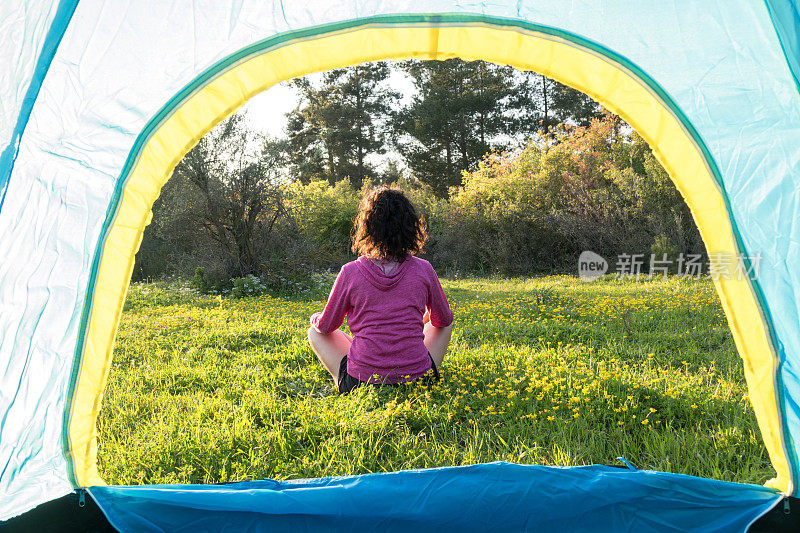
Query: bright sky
[[266, 112]]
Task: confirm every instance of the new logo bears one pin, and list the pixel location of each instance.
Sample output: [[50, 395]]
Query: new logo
[[591, 266]]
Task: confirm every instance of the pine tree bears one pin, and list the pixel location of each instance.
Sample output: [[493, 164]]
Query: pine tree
[[559, 103], [340, 123], [461, 111]]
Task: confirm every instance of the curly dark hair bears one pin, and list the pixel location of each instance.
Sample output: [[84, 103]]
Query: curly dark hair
[[388, 226]]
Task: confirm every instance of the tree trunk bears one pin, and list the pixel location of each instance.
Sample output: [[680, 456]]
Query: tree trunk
[[360, 134], [331, 166], [482, 114], [546, 118]]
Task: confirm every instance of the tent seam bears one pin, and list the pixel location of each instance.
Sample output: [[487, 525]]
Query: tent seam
[[55, 33]]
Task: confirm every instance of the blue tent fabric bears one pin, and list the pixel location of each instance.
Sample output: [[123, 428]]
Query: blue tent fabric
[[498, 496]]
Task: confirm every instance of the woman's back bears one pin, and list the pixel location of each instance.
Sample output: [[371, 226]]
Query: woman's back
[[385, 315]]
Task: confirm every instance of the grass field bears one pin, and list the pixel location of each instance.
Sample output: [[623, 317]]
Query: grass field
[[545, 371]]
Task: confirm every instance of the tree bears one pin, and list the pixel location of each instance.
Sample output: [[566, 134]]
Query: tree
[[339, 124], [559, 103], [461, 111], [235, 178], [307, 147], [393, 172], [170, 235]]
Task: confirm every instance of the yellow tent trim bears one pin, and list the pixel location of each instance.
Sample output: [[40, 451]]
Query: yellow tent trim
[[607, 81]]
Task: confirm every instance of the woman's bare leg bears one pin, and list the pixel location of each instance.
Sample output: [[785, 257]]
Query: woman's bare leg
[[330, 349], [437, 340]]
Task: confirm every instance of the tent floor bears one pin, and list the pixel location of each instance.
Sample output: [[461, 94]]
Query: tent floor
[[67, 514], [64, 514]]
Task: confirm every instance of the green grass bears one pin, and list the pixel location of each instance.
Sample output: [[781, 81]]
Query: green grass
[[543, 371]]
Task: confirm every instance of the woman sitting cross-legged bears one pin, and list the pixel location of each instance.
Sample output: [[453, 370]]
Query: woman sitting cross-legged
[[395, 307]]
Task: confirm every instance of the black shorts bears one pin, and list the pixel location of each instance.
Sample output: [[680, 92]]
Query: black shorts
[[348, 382]]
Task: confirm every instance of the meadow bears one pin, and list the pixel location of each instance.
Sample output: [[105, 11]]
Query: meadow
[[545, 370]]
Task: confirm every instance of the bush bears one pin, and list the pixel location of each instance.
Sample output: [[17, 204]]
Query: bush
[[595, 188], [581, 188], [199, 281], [324, 215], [247, 286]]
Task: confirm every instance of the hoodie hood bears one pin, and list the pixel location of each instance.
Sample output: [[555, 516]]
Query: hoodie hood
[[377, 278]]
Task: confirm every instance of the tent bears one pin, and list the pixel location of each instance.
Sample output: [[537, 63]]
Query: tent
[[101, 99]]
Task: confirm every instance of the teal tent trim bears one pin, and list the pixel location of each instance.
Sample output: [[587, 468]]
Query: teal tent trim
[[785, 15], [497, 496], [58, 27]]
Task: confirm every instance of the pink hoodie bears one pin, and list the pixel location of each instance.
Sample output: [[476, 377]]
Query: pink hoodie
[[384, 312]]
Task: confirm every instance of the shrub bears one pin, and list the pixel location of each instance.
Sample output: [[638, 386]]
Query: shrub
[[247, 286], [597, 187], [199, 281], [324, 215]]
